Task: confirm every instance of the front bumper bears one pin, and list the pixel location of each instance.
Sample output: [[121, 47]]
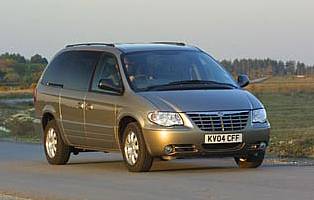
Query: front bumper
[[192, 142]]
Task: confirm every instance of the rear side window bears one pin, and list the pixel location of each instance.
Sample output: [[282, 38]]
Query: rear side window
[[72, 70]]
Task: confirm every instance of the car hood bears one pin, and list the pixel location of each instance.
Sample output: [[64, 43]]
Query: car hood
[[202, 100]]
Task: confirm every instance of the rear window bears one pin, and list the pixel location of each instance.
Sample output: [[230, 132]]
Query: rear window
[[72, 70]]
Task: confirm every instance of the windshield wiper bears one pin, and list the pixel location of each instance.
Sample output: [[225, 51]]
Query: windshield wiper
[[201, 82], [189, 83]]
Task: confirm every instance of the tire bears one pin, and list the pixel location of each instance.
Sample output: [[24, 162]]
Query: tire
[[133, 144], [59, 153], [250, 161]]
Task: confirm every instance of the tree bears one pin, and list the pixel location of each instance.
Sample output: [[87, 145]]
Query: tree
[[301, 69], [256, 68], [290, 67], [14, 56], [39, 59]]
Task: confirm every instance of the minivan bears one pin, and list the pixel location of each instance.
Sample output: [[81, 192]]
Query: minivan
[[161, 100]]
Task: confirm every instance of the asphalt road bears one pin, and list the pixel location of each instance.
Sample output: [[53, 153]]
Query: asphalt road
[[25, 173]]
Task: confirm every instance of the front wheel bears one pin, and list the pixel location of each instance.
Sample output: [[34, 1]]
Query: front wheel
[[250, 161], [57, 152], [134, 150]]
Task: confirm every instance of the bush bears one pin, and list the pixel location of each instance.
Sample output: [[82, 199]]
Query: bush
[[20, 125]]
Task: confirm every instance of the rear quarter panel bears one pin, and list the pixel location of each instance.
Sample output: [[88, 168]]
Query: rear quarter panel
[[47, 102]]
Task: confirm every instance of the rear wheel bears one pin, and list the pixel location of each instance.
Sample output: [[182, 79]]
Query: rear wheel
[[250, 161], [135, 153], [57, 152]]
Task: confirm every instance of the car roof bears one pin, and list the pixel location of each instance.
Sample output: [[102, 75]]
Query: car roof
[[128, 48], [134, 47]]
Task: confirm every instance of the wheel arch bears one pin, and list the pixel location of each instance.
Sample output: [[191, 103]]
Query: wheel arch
[[122, 124], [125, 119], [49, 114]]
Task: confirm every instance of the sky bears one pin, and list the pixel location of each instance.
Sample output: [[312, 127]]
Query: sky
[[227, 29]]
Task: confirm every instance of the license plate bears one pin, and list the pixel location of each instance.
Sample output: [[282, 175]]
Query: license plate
[[223, 138]]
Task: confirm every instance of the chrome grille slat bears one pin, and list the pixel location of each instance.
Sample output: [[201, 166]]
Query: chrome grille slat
[[214, 122], [226, 123]]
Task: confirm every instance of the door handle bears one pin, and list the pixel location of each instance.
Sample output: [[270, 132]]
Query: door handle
[[80, 105], [89, 107]]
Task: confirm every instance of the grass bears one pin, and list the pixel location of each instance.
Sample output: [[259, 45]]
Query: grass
[[290, 106], [284, 85], [291, 117]]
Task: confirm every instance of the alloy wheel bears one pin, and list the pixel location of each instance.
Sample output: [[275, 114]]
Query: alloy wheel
[[131, 148], [51, 142]]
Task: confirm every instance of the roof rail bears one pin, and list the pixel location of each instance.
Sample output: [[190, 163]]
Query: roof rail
[[171, 43], [90, 44]]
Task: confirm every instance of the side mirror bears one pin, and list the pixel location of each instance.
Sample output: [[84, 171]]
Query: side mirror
[[107, 84], [243, 80]]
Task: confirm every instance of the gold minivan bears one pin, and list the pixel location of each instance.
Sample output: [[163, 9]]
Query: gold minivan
[[161, 100]]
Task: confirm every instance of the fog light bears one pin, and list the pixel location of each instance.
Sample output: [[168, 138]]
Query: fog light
[[262, 146], [168, 149]]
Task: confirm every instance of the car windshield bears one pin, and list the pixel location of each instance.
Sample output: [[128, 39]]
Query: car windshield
[[174, 70]]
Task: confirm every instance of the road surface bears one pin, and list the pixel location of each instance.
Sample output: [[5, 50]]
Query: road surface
[[25, 173]]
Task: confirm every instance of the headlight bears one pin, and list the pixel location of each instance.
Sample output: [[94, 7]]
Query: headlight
[[165, 118], [259, 116]]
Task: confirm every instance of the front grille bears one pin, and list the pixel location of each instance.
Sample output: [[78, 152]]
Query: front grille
[[220, 121], [222, 146]]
